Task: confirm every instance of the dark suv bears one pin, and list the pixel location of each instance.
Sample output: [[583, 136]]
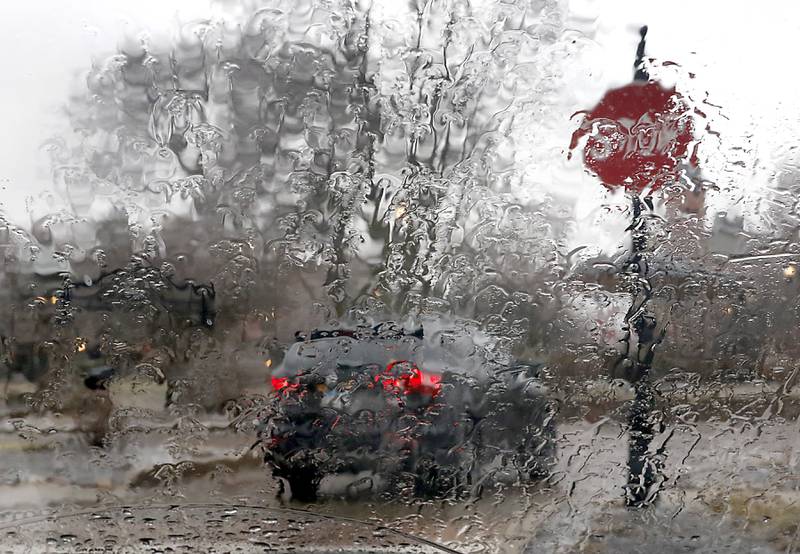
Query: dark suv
[[421, 412]]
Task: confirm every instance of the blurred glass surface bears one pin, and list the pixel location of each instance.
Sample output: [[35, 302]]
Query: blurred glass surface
[[424, 276]]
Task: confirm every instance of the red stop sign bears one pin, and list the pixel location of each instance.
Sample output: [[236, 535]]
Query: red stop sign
[[638, 137]]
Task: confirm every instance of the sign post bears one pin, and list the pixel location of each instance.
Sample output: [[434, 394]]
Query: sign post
[[639, 138]]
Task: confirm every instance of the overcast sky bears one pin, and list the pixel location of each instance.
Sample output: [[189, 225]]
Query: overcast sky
[[739, 51]]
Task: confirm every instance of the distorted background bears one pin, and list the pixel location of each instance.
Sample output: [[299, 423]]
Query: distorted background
[[163, 253]]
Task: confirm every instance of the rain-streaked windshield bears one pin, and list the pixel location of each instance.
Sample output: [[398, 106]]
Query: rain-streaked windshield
[[467, 276]]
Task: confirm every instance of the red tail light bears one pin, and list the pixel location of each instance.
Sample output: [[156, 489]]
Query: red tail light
[[282, 383], [413, 381]]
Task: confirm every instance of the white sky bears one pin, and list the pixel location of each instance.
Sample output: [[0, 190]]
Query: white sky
[[47, 43], [740, 51]]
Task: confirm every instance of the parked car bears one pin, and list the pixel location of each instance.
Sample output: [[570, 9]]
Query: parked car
[[422, 411], [136, 300]]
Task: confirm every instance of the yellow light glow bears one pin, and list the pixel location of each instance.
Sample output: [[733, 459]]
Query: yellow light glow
[[268, 363], [80, 345], [53, 299], [790, 271]]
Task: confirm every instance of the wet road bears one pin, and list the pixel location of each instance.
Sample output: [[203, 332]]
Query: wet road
[[714, 497]]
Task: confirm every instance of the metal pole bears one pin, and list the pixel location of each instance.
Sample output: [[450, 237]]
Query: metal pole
[[642, 470]]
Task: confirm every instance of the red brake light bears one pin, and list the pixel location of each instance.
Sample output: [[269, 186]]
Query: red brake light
[[419, 381], [282, 383], [413, 381]]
